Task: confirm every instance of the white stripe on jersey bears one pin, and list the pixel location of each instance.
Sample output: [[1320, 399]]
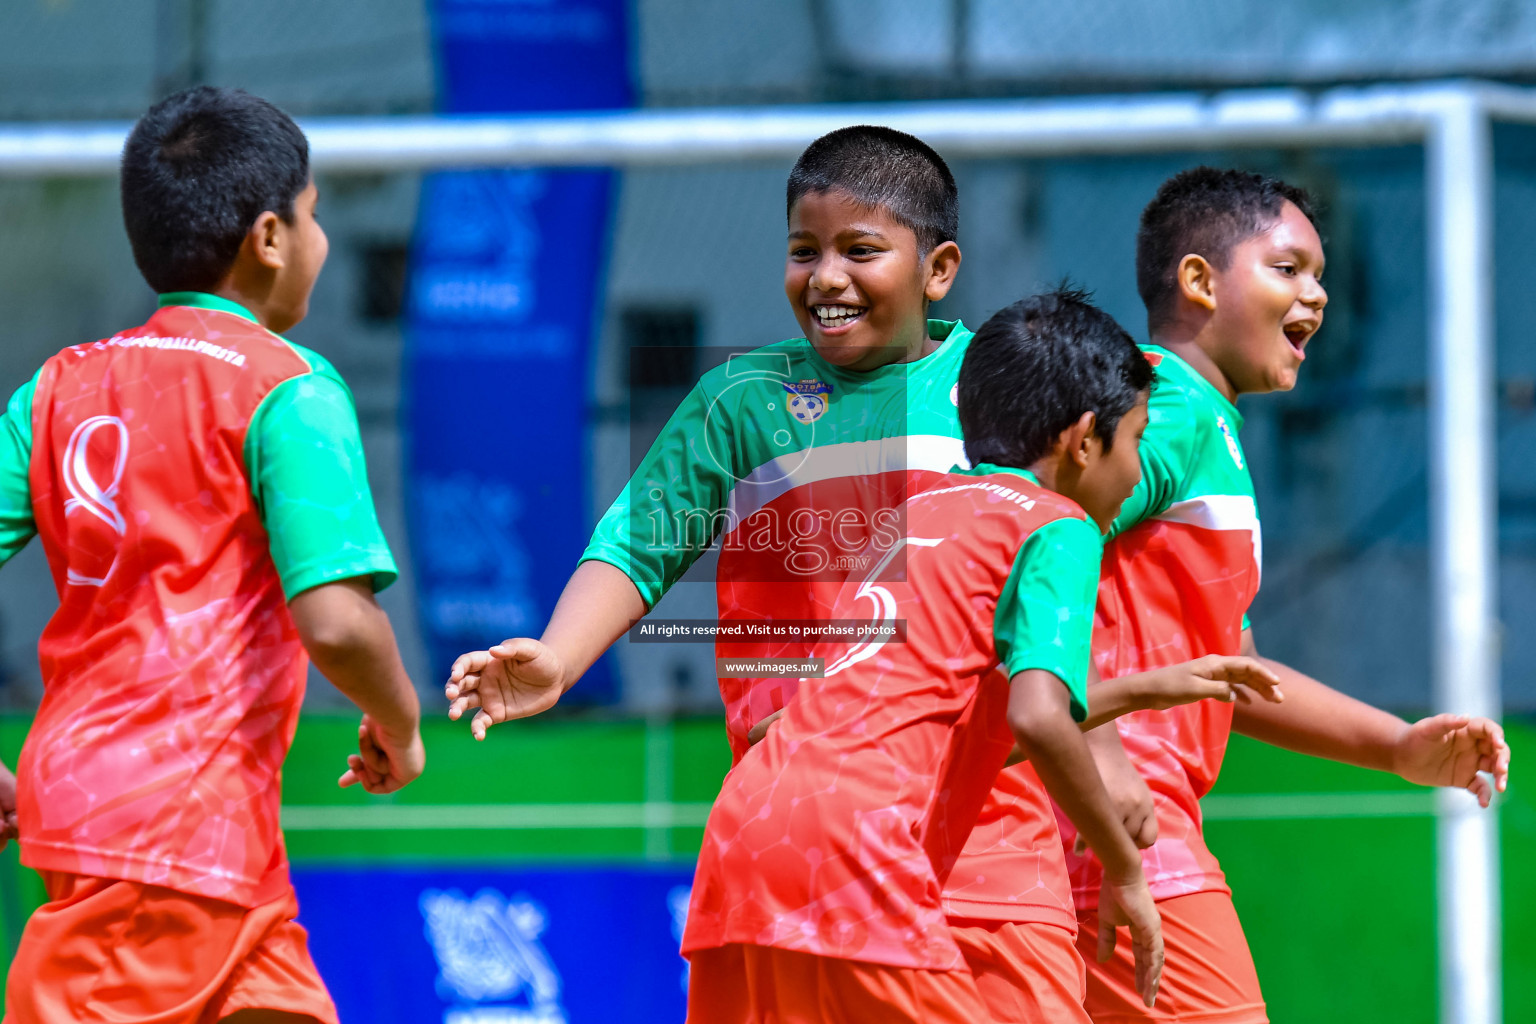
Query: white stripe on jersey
[[933, 452], [1220, 512]]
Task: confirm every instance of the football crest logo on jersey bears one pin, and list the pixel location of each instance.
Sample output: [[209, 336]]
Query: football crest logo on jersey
[[807, 399], [1232, 448]]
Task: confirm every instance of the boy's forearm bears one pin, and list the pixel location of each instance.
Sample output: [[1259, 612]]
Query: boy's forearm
[[1104, 743], [1111, 698], [597, 606], [1107, 700], [350, 640], [373, 678], [1318, 720], [1043, 728]]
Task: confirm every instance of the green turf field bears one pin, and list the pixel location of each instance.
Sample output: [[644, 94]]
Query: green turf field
[[1339, 909]]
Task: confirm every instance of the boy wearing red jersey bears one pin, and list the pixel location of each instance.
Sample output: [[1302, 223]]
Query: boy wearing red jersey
[[1229, 266], [199, 489]]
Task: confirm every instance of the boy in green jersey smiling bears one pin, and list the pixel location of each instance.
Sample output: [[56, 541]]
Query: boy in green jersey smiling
[[794, 457]]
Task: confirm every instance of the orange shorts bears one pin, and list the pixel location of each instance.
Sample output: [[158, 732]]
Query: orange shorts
[[741, 984], [1025, 972], [105, 950], [1208, 974]]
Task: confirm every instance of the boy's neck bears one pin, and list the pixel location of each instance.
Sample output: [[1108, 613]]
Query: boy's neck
[[924, 345], [256, 303], [903, 350], [1194, 347], [1054, 472]]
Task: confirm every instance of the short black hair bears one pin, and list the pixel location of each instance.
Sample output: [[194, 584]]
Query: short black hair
[[198, 169], [1034, 368], [1206, 211], [886, 169]]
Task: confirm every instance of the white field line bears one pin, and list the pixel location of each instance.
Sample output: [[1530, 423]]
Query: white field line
[[1291, 806], [409, 817], [659, 814]]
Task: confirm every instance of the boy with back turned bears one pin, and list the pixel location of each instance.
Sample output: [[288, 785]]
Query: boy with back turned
[[199, 489]]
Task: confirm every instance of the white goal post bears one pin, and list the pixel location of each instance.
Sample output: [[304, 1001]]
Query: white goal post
[[1453, 122]]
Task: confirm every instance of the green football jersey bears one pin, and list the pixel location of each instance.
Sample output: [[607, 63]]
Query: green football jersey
[[1179, 572], [799, 470]]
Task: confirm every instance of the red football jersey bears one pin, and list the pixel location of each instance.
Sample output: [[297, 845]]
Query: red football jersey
[[1180, 570], [835, 834], [172, 671]]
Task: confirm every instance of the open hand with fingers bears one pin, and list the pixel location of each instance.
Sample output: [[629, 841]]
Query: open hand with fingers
[[1451, 750], [514, 679]]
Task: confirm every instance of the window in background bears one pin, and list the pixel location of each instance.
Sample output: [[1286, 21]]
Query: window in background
[[663, 347], [381, 288]]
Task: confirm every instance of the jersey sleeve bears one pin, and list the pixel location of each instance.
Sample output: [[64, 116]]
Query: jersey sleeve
[[1044, 616], [16, 523], [1166, 450], [681, 480], [304, 457]]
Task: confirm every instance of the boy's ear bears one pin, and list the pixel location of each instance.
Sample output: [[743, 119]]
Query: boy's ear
[[1195, 281], [942, 265], [1079, 439], [263, 239]]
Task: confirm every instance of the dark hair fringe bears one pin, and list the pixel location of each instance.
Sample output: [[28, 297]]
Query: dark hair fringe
[[1035, 367], [884, 169]]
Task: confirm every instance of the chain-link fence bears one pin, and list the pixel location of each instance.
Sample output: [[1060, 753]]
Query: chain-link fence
[[74, 59]]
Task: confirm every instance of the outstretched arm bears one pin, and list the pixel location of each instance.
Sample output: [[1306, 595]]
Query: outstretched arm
[[1213, 677], [596, 607], [522, 677], [349, 638], [1442, 750]]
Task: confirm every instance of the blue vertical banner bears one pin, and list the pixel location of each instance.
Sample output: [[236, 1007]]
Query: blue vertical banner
[[506, 275]]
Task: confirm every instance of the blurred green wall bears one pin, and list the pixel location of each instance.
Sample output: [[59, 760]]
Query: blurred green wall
[[1339, 911]]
